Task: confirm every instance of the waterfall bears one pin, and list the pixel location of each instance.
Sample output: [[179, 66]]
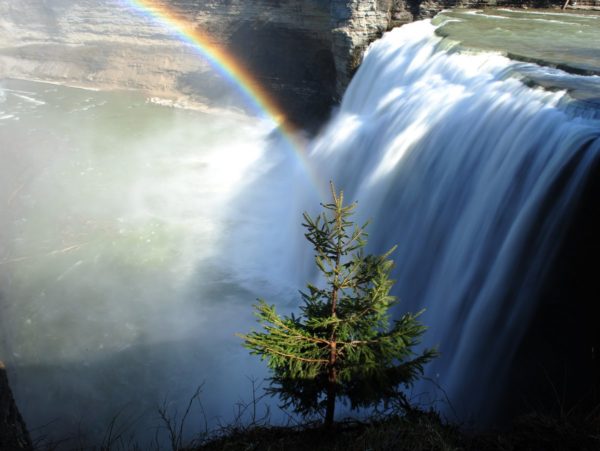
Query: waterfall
[[474, 176], [135, 237]]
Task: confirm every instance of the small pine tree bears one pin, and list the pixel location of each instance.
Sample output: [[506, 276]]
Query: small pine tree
[[342, 345]]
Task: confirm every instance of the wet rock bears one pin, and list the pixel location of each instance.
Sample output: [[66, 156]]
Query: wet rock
[[13, 432], [302, 52]]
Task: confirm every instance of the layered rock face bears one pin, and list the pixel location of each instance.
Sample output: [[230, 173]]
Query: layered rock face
[[89, 43], [285, 44], [355, 24], [13, 433], [304, 52]]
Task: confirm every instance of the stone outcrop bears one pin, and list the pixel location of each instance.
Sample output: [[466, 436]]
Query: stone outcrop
[[355, 24], [304, 52], [13, 432], [286, 44]]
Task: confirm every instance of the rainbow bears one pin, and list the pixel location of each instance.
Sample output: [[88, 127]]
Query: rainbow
[[231, 70]]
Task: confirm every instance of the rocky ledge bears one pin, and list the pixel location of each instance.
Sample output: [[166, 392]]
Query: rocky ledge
[[303, 51], [13, 433]]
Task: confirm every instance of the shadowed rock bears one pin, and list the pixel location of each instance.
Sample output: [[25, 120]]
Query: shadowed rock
[[13, 432]]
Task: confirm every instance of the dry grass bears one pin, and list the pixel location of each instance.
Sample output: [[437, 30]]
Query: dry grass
[[417, 432]]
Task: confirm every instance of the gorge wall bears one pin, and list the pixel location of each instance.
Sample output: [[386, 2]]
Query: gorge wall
[[13, 431], [303, 52]]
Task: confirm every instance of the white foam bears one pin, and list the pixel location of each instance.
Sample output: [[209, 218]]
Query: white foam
[[30, 99]]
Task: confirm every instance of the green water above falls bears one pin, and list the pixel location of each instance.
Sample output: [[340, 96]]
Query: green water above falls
[[570, 41], [566, 41]]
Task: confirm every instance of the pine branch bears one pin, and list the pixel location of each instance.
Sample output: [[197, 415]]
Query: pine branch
[[267, 315], [261, 345]]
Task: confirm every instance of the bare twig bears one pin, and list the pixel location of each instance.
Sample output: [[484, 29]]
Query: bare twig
[[174, 426]]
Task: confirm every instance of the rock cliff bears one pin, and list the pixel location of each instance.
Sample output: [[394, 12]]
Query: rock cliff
[[303, 51], [13, 433]]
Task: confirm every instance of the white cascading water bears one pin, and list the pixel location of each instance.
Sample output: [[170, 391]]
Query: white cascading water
[[473, 175]]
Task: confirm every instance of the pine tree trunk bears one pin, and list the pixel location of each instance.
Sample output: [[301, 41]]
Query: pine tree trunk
[[331, 369], [332, 372], [331, 383]]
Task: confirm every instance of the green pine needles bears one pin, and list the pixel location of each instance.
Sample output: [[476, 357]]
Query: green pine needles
[[342, 345]]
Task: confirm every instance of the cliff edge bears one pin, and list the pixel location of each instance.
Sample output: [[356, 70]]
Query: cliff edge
[[304, 52], [13, 432]]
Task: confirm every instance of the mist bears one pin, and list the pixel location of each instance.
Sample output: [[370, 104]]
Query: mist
[[134, 239], [137, 225]]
